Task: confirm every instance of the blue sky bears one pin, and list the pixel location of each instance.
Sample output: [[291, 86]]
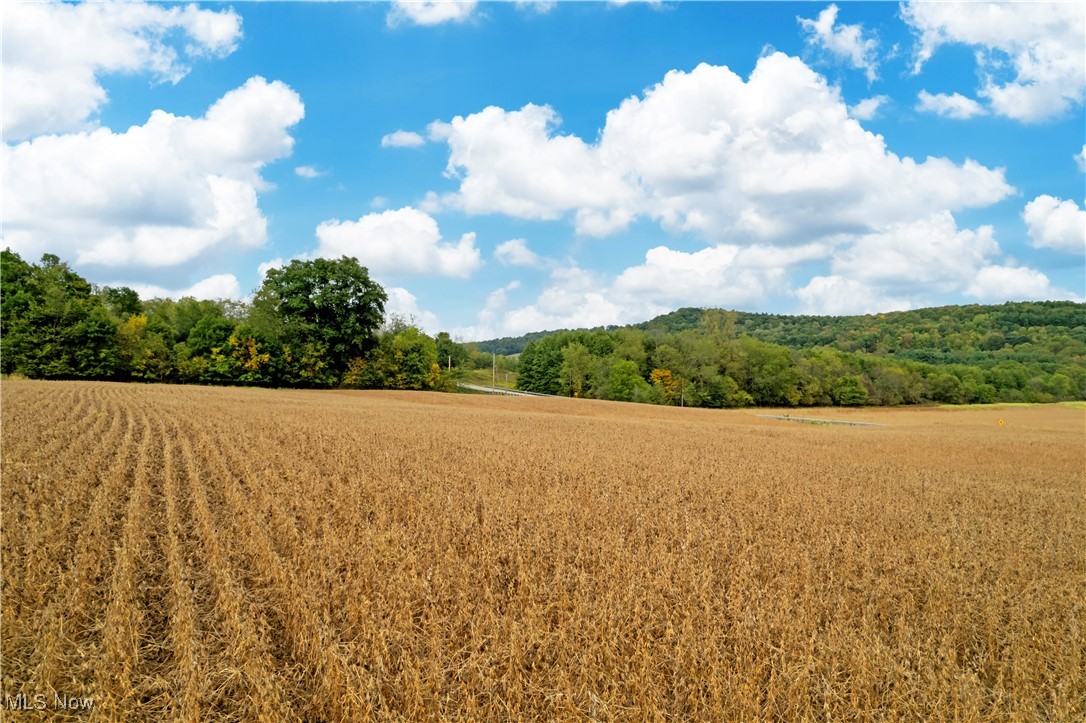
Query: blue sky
[[512, 167]]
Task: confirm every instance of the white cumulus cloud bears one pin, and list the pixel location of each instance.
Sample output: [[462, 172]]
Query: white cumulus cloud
[[954, 105], [868, 108], [515, 252], [843, 41], [404, 304], [574, 298], [309, 172], [156, 195], [509, 163], [405, 240], [775, 159], [266, 266], [840, 296], [999, 283], [912, 263], [930, 254], [1040, 42], [54, 54], [219, 286], [1056, 223], [429, 12], [539, 7], [496, 301], [724, 275], [402, 139], [489, 316]]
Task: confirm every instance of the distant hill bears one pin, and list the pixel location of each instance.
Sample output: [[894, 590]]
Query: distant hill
[[1014, 352], [508, 345], [1023, 331]]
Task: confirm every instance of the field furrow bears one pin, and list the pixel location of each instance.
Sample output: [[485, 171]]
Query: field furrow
[[118, 656], [72, 617], [183, 634], [296, 613], [251, 682], [111, 486]]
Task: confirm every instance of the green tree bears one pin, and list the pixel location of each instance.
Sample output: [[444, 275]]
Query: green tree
[[772, 376], [892, 384], [630, 345], [16, 298], [1060, 386], [666, 356], [733, 396], [54, 327], [625, 381], [449, 353], [324, 304], [946, 388], [576, 365], [209, 333], [246, 358], [189, 312], [413, 357], [142, 354], [719, 325], [541, 366], [849, 391], [121, 301]]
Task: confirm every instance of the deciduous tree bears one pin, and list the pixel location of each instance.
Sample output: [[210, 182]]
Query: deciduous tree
[[321, 303]]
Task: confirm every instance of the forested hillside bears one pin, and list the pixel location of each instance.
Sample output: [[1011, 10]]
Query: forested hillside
[[948, 333], [318, 323], [1026, 331], [1033, 352]]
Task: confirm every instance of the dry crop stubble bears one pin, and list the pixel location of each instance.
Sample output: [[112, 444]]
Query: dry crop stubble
[[231, 554]]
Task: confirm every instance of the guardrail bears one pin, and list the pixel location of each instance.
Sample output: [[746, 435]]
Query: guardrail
[[821, 421], [507, 392]]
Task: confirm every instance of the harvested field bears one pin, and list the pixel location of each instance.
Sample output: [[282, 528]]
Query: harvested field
[[188, 553]]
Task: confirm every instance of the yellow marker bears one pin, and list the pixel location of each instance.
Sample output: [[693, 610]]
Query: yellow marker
[[1001, 423]]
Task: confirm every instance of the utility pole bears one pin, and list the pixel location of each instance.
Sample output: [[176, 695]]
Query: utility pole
[[493, 371]]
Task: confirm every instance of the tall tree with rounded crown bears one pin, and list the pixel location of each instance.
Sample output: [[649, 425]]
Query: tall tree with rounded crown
[[324, 307]]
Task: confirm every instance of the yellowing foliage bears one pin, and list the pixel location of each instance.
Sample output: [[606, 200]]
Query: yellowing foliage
[[668, 383], [133, 327], [193, 553], [246, 352]]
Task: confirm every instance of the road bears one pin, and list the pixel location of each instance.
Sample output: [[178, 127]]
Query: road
[[500, 390]]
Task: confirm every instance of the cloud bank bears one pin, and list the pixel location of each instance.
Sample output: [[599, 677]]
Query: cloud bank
[[54, 54], [156, 195]]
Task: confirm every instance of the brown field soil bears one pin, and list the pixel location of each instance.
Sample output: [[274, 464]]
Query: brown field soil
[[192, 554]]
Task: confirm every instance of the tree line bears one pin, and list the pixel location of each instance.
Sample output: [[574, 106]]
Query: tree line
[[322, 323], [318, 323], [699, 357]]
